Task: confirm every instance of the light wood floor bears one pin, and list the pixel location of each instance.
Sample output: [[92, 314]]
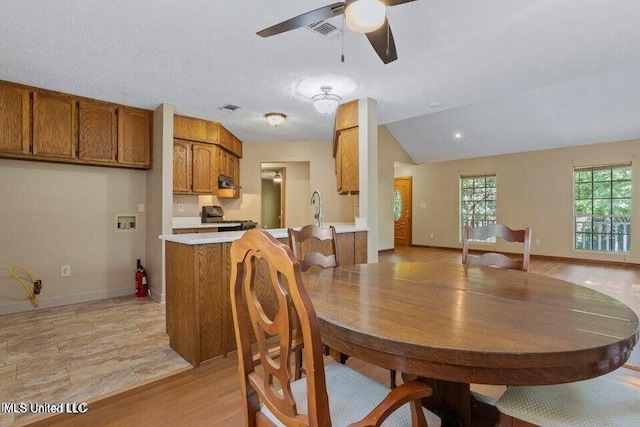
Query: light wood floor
[[209, 395]]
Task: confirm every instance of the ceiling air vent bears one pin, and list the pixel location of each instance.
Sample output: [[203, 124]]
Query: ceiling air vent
[[325, 30], [229, 107]]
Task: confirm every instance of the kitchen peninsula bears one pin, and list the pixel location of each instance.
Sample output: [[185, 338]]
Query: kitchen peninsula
[[198, 268]]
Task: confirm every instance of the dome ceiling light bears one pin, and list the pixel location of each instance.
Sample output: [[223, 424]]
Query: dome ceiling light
[[364, 16], [275, 119], [326, 102]]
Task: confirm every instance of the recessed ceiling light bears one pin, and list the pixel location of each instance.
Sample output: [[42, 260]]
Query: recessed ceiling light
[[457, 135]]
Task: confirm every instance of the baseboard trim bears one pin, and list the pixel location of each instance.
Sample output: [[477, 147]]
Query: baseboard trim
[[21, 306], [386, 251], [546, 257]]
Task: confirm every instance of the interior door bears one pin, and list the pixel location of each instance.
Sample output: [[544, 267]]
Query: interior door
[[402, 210]]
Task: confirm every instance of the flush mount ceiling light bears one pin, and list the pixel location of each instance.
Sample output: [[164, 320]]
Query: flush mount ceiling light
[[277, 180], [326, 102], [275, 119], [364, 16]]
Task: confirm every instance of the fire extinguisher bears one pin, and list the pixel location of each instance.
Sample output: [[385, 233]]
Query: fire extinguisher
[[142, 287]]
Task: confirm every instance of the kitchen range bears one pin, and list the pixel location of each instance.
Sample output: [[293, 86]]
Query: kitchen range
[[215, 215]]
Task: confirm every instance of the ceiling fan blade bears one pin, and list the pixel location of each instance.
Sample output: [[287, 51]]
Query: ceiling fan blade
[[304, 20], [395, 2], [378, 40]]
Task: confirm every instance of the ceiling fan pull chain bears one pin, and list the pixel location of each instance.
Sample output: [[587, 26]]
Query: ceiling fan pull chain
[[342, 35]]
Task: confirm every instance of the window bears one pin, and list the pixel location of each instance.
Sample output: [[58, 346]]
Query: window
[[477, 201], [602, 208]]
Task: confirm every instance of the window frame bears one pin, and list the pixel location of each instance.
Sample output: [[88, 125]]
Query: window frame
[[587, 229], [485, 199]]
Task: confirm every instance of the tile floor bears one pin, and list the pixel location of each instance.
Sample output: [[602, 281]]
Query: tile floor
[[78, 352]]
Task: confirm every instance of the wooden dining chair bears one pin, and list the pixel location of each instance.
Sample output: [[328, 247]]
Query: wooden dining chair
[[495, 259], [328, 395], [603, 401], [307, 245], [317, 247]]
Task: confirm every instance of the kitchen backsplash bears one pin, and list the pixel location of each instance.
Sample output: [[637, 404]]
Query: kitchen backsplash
[[188, 205]]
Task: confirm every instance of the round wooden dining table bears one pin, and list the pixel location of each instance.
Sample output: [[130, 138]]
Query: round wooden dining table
[[455, 325]]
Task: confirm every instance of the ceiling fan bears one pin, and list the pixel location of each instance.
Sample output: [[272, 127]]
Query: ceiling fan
[[363, 16]]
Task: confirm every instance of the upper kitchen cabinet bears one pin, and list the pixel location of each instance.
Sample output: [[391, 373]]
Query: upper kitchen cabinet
[[195, 168], [181, 167], [213, 151], [347, 168], [346, 148], [205, 176], [237, 147], [14, 120], [189, 128], [54, 125], [98, 131], [347, 115], [39, 124], [134, 139]]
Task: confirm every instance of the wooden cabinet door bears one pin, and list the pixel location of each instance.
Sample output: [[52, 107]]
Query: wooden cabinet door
[[347, 115], [223, 163], [54, 125], [348, 151], [14, 120], [134, 137], [189, 128], [237, 147], [97, 131], [235, 175], [181, 167], [226, 138], [204, 165]]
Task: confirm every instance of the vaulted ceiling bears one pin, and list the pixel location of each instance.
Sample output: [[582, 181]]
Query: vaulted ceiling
[[508, 75]]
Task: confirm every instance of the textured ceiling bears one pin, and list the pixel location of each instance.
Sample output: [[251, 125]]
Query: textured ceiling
[[510, 75]]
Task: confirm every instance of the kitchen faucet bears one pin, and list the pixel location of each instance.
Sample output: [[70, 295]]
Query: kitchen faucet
[[318, 214]]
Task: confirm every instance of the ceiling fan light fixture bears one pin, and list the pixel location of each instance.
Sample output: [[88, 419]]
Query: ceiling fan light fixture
[[364, 16], [326, 102], [275, 119]]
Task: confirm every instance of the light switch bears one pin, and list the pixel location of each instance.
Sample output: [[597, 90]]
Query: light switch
[[423, 205], [140, 207]]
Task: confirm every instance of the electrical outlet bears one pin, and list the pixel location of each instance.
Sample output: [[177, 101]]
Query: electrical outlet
[[65, 271], [180, 207], [140, 207], [423, 205], [432, 235], [537, 242]]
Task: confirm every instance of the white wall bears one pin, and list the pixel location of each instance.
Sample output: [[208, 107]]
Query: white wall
[[535, 189], [389, 152], [56, 214], [159, 198], [321, 177]]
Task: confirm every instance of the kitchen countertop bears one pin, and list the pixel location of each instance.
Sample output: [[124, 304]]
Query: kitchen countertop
[[230, 236]]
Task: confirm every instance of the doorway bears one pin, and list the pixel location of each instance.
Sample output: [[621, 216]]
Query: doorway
[[402, 210], [273, 200]]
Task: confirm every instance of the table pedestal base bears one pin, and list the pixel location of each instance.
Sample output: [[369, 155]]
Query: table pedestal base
[[457, 407]]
